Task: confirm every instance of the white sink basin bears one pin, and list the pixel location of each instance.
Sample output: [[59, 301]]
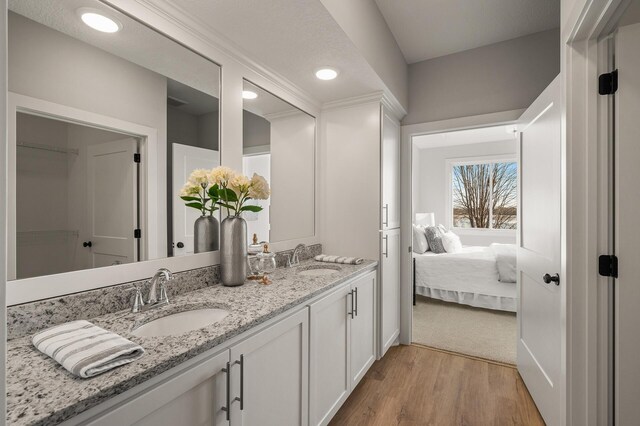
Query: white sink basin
[[319, 271], [181, 322]]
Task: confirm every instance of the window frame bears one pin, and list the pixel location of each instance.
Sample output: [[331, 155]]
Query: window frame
[[467, 161]]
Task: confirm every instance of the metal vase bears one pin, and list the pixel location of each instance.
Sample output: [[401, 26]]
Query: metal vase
[[233, 250], [206, 234]]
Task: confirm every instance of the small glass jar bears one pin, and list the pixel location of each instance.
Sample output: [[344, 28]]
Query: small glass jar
[[254, 264], [267, 262]]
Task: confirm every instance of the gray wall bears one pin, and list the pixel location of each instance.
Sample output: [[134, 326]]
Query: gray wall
[[256, 131], [431, 183], [499, 77], [192, 130]]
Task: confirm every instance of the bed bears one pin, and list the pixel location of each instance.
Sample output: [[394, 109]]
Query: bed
[[469, 277]]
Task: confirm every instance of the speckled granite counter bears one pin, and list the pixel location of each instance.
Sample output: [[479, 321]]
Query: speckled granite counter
[[39, 391]]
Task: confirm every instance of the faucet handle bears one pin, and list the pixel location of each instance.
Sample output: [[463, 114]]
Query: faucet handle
[[138, 301]]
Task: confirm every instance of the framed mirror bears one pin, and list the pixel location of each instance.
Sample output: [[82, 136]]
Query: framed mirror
[[107, 119], [279, 144]]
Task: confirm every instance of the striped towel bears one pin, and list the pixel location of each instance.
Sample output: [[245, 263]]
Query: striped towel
[[339, 259], [84, 349]]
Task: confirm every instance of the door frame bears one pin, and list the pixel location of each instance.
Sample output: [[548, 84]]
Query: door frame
[[27, 289], [406, 187]]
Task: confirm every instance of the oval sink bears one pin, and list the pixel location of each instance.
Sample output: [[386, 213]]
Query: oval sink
[[318, 271], [179, 323]]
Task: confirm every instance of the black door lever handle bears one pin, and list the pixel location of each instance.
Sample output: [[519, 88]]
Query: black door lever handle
[[548, 279]]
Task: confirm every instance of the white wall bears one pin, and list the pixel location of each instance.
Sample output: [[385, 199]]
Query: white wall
[[500, 77], [350, 182], [363, 23], [431, 184], [39, 59]]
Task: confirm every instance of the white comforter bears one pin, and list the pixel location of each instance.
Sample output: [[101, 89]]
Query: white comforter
[[468, 277]]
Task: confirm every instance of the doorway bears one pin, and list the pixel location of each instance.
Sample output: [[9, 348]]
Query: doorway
[[465, 219]]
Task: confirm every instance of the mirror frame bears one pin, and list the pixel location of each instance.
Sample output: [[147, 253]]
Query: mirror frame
[[235, 67]]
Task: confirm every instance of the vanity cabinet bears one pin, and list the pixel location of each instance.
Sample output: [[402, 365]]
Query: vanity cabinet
[[342, 345], [270, 373], [190, 398], [390, 289]]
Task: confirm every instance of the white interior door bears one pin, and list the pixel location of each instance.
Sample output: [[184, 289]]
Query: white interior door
[[540, 303], [112, 202], [186, 159], [626, 230]]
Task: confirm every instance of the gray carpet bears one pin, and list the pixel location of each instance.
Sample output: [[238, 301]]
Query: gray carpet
[[466, 330]]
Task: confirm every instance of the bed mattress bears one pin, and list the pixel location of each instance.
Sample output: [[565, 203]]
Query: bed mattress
[[468, 277]]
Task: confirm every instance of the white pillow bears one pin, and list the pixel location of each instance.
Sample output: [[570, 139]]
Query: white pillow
[[451, 242], [420, 244]]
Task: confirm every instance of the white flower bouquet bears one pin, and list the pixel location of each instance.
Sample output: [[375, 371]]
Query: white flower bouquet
[[208, 191]]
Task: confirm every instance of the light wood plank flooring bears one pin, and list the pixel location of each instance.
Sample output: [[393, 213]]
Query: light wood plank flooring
[[414, 385]]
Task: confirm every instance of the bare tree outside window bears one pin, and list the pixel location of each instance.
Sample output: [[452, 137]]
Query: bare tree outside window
[[485, 195]]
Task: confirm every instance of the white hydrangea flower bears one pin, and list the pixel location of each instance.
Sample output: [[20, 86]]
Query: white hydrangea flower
[[199, 177], [259, 188], [240, 184], [190, 190], [221, 175]]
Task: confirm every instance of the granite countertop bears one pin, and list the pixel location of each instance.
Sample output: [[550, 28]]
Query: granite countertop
[[40, 391]]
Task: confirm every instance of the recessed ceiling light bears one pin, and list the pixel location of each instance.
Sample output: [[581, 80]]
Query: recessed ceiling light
[[326, 74], [248, 94], [98, 21]]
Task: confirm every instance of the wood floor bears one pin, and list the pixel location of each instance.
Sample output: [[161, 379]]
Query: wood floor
[[413, 385]]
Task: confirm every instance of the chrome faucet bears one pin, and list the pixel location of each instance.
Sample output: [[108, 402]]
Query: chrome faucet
[[153, 290], [152, 299], [294, 259]]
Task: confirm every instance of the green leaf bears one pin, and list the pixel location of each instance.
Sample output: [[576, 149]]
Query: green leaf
[[227, 194], [254, 209], [227, 206], [190, 198], [214, 192], [194, 205]]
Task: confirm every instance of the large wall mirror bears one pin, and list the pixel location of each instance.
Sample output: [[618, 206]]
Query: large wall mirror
[[107, 119], [279, 144]]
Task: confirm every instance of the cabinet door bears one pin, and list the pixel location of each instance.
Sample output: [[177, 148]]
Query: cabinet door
[[271, 377], [329, 343], [390, 289], [195, 397], [363, 327], [390, 172]]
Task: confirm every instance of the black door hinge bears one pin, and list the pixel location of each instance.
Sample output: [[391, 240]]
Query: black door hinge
[[608, 83], [608, 265], [137, 233], [137, 158]]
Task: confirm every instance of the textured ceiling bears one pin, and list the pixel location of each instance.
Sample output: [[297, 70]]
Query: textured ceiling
[[135, 42], [426, 29], [293, 38], [465, 137]]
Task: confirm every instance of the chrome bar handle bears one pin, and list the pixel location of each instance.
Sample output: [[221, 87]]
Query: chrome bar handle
[[227, 409], [386, 246], [386, 215], [355, 292], [241, 397], [352, 310]]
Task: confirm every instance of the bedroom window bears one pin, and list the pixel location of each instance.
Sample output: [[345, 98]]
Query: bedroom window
[[484, 195]]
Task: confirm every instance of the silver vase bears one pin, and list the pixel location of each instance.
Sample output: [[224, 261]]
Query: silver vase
[[233, 250], [206, 234]]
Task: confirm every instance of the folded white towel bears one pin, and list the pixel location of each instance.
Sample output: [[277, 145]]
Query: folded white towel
[[339, 259], [84, 349]]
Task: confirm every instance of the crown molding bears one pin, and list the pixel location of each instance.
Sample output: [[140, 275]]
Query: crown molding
[[392, 106], [353, 101], [177, 16]]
